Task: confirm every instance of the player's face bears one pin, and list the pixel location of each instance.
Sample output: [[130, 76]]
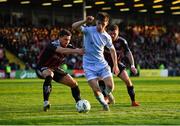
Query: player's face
[[101, 25], [114, 34], [65, 40]]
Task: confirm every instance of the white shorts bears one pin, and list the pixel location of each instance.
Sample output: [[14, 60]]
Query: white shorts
[[102, 73]]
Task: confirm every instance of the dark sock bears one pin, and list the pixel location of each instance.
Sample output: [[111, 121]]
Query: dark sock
[[47, 88], [131, 93], [76, 93], [102, 87]]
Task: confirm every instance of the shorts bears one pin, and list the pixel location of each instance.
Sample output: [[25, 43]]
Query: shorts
[[121, 68], [102, 73], [58, 73]]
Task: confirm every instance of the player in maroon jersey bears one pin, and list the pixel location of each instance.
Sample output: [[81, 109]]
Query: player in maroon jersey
[[48, 66], [122, 50]]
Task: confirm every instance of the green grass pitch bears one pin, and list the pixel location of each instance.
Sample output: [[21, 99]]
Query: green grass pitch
[[21, 103]]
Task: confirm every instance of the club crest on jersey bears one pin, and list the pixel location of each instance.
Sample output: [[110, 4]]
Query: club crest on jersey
[[56, 43]]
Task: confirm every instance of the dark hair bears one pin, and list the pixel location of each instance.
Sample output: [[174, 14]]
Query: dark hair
[[113, 27], [102, 16], [64, 32]]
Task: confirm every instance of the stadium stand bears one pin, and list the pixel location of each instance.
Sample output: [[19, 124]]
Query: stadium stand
[[151, 45], [153, 41]]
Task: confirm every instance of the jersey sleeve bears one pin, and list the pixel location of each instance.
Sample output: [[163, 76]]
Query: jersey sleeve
[[125, 46], [109, 43], [51, 47], [84, 29]]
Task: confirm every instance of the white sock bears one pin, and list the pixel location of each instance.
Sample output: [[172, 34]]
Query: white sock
[[46, 103], [101, 100]]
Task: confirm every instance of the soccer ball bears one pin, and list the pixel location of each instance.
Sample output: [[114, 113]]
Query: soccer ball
[[83, 106]]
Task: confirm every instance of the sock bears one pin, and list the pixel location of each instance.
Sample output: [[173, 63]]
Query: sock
[[102, 87], [131, 93], [47, 88], [46, 103], [101, 100], [76, 93], [107, 91]]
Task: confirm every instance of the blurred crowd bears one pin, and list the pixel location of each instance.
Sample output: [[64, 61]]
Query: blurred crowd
[[152, 46], [26, 43]]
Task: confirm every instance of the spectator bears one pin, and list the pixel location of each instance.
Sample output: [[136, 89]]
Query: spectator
[[8, 71]]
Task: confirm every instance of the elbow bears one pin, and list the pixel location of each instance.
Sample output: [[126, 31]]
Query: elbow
[[112, 50], [74, 27]]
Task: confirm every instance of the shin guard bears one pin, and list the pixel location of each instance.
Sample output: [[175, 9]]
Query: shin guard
[[131, 93], [47, 88], [76, 93]]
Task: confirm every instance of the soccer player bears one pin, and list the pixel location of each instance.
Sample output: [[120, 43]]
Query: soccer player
[[94, 64], [122, 50], [48, 66]]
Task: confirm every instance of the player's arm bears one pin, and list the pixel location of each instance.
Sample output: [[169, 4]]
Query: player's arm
[[131, 60], [130, 57], [114, 58], [70, 46], [69, 50], [78, 24]]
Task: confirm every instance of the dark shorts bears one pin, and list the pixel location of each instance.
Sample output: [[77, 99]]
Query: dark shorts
[[121, 67], [58, 73]]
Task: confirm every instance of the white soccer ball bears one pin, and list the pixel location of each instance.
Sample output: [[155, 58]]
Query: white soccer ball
[[83, 106]]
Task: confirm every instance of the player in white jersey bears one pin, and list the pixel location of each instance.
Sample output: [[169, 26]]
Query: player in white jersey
[[94, 63]]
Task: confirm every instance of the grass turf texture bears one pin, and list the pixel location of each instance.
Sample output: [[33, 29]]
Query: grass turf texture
[[21, 103]]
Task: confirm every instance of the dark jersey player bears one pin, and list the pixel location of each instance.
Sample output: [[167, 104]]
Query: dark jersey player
[[48, 66], [122, 50]]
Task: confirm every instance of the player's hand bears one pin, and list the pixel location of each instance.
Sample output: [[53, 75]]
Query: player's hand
[[89, 19], [133, 69], [116, 70], [80, 51]]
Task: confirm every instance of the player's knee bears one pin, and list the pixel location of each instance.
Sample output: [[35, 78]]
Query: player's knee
[[128, 82], [111, 88], [74, 84], [47, 73]]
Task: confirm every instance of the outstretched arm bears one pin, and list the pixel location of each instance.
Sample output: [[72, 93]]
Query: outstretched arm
[[76, 25], [69, 50]]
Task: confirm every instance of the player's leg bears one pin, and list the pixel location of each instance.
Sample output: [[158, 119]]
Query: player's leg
[[109, 98], [108, 84], [92, 79], [61, 77], [98, 94], [47, 74], [102, 87], [130, 88]]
